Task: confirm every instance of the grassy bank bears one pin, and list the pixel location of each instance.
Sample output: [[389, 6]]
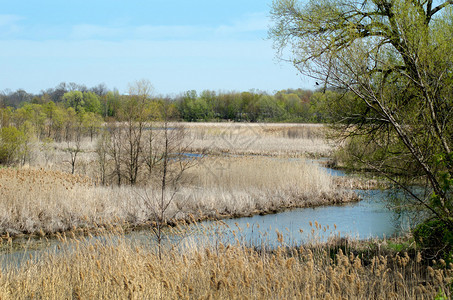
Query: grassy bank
[[115, 269], [43, 201]]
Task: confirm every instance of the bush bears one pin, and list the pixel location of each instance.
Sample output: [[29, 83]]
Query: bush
[[436, 238], [11, 141]]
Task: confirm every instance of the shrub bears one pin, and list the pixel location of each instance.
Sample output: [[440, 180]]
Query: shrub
[[11, 140], [436, 238]]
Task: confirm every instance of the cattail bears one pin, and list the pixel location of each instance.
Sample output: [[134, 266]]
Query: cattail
[[419, 257], [98, 264], [289, 263]]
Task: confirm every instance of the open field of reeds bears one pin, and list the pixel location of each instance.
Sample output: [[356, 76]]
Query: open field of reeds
[[44, 198], [113, 268], [259, 138], [44, 201], [283, 140]]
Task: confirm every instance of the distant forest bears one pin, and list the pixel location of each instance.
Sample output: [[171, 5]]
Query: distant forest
[[291, 105]]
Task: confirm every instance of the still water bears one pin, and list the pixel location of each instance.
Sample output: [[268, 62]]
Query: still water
[[362, 220], [365, 219]]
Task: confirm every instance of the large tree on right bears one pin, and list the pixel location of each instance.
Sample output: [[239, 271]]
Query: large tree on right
[[391, 61]]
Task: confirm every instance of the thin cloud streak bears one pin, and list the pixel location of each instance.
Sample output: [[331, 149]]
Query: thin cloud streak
[[10, 25], [242, 28], [137, 49]]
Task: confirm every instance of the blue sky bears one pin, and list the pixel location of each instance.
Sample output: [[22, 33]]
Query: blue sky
[[177, 45]]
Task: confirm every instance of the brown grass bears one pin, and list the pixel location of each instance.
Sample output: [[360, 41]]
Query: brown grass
[[246, 185], [115, 269], [259, 139], [36, 200]]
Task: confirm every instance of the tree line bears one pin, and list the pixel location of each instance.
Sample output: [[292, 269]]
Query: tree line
[[128, 146], [290, 105]]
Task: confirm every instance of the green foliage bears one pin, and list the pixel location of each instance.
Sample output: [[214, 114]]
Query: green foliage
[[92, 103], [33, 113], [110, 104], [441, 295], [11, 141], [436, 238], [390, 64], [284, 106], [195, 108], [92, 123], [74, 99]]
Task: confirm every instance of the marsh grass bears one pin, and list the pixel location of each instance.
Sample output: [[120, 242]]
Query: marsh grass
[[245, 185], [113, 268], [43, 201], [284, 140], [259, 139], [44, 198]]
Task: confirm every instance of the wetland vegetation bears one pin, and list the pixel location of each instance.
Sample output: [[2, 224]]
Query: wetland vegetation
[[95, 165], [249, 169]]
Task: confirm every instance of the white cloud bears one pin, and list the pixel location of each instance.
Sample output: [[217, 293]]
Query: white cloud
[[88, 31], [8, 20], [9, 24], [248, 24]]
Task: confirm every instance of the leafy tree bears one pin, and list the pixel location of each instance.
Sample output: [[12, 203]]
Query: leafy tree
[[26, 146], [33, 113], [5, 116], [269, 109], [110, 104], [92, 123], [55, 120], [74, 99], [393, 60], [91, 102], [186, 106]]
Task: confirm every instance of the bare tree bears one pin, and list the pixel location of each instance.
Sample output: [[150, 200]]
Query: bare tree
[[135, 113], [168, 165], [115, 149], [74, 141], [102, 154]]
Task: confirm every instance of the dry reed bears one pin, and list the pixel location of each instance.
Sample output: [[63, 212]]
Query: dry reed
[[115, 269], [36, 200], [259, 139]]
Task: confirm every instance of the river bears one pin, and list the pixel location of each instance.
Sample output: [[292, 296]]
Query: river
[[369, 218]]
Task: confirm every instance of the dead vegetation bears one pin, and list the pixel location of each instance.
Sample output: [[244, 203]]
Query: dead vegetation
[[113, 268], [37, 200]]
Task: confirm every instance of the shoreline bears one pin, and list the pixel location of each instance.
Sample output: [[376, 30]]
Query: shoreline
[[7, 240]]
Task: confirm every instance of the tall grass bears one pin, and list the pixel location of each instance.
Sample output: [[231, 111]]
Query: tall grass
[[244, 185], [259, 139], [43, 201], [115, 269]]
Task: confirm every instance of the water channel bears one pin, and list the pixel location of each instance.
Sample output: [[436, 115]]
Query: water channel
[[368, 218]]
